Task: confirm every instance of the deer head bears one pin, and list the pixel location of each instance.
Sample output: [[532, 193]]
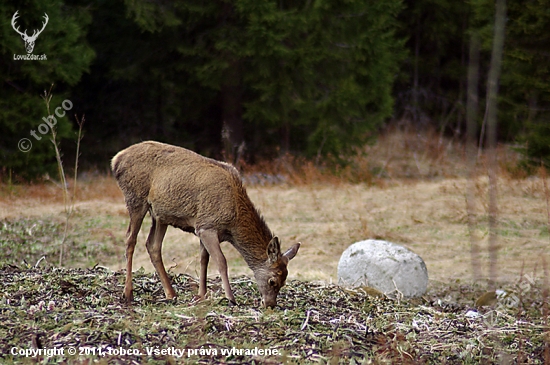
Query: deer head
[[272, 275], [29, 40]]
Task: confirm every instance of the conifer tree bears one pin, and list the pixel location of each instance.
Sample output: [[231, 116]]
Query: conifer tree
[[22, 109], [310, 77]]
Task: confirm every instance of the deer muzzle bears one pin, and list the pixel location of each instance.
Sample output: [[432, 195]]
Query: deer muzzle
[[269, 301]]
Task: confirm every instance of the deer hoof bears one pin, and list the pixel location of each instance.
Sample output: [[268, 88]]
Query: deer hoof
[[128, 298], [230, 302]]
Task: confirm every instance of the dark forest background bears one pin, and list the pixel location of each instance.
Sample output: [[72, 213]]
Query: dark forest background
[[257, 79]]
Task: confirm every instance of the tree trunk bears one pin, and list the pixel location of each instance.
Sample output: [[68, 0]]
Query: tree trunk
[[471, 126], [494, 76], [232, 130]]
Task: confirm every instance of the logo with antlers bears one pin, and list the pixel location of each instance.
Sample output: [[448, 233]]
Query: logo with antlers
[[29, 40]]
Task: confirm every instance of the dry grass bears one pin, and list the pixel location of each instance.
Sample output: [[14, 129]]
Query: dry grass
[[428, 217]]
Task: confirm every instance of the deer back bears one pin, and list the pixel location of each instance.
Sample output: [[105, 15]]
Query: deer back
[[179, 185]]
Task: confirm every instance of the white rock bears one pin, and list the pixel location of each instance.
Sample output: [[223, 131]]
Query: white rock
[[385, 266], [472, 314]]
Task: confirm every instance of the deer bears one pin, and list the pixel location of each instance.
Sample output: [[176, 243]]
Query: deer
[[29, 41], [203, 196]]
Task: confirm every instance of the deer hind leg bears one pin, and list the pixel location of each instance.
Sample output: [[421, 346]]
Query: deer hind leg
[[154, 247], [205, 257], [209, 239], [136, 219]]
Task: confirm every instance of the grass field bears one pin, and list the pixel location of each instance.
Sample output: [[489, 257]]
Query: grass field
[[410, 190]]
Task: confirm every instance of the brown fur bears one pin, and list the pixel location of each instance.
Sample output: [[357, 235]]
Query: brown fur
[[202, 196]]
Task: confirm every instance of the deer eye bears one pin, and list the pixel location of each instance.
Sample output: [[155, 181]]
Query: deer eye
[[271, 282]]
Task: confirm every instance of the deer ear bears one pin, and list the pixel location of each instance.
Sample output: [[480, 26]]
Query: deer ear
[[273, 250], [291, 252]]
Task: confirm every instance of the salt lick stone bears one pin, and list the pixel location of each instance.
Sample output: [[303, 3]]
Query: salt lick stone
[[385, 266]]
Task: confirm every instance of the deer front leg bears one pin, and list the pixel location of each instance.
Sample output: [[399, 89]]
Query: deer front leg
[[205, 256], [209, 239]]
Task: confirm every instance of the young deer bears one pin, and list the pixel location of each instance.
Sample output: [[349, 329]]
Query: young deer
[[203, 196]]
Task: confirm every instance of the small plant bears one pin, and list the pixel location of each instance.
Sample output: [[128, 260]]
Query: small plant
[[68, 199]]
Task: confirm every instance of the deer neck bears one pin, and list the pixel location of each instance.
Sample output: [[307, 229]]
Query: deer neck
[[251, 237]]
